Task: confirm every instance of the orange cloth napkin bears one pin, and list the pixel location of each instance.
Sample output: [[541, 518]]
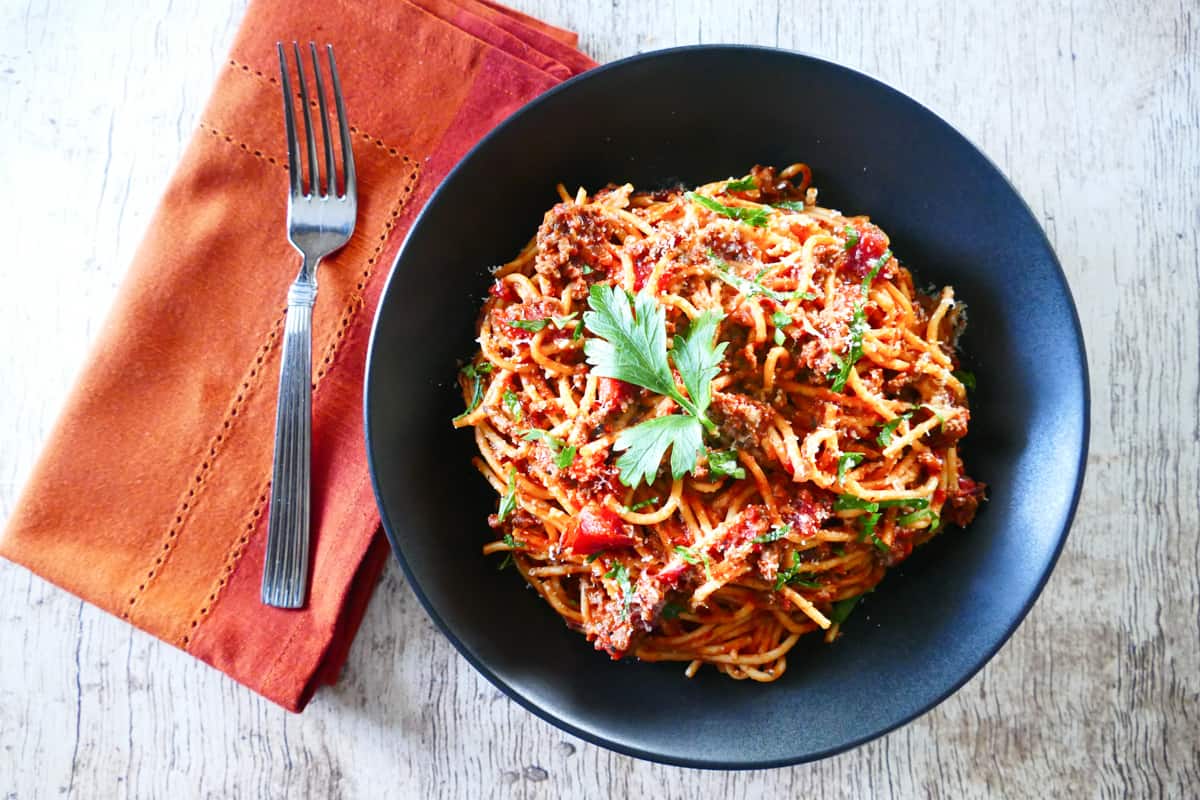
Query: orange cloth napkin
[[150, 499]]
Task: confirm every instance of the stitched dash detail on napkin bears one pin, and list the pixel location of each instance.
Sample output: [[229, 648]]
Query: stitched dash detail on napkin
[[249, 71], [356, 300], [230, 563], [249, 381], [279, 162]]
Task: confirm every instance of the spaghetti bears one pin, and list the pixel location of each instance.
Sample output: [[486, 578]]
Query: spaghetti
[[810, 401]]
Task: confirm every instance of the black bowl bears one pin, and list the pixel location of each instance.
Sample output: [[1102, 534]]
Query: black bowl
[[694, 115]]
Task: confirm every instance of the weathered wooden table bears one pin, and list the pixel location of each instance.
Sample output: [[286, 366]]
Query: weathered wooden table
[[1093, 111]]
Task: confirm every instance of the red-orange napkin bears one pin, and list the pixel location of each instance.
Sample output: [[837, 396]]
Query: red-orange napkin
[[150, 499]]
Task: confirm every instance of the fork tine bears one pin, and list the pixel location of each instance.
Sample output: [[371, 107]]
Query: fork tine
[[330, 172], [314, 173], [350, 179], [289, 121]]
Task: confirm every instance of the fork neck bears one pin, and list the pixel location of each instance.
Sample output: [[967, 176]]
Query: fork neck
[[304, 291]]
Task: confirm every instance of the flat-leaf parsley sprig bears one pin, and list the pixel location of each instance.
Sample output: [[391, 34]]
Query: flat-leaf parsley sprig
[[630, 345]]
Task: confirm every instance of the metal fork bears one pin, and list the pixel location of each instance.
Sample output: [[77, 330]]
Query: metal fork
[[320, 221]]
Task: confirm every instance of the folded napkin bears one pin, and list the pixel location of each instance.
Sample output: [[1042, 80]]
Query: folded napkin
[[150, 499]]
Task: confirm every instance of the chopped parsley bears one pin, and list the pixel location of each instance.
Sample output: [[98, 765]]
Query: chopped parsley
[[514, 544], [935, 521], [879, 262], [858, 326], [789, 205], [880, 545], [842, 608], [848, 461], [508, 503], [795, 576], [750, 288], [476, 373], [631, 345], [531, 325], [621, 575], [512, 404], [869, 523], [649, 501], [756, 217], [564, 454], [593, 556], [746, 184], [780, 320], [776, 533], [535, 325], [724, 463], [672, 611], [885, 434], [851, 237], [965, 377], [687, 554]]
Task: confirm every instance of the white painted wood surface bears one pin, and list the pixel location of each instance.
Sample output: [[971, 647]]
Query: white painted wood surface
[[1092, 110]]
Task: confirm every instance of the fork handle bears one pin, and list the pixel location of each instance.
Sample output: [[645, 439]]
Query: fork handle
[[285, 572]]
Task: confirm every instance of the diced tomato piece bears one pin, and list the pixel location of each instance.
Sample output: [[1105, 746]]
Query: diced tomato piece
[[872, 243], [599, 528], [669, 576], [614, 393], [504, 291]]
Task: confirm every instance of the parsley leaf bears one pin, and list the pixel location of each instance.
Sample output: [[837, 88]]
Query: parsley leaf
[[750, 288], [562, 322], [649, 501], [776, 533], [644, 445], [586, 269], [513, 542], [631, 346], [851, 237], [628, 348], [858, 326], [780, 319], [846, 461], [698, 360], [593, 556], [621, 575], [779, 337], [577, 334], [512, 404], [842, 608], [687, 555], [885, 434], [880, 545], [476, 373], [724, 463], [751, 216], [747, 184], [508, 503], [672, 611], [965, 377], [790, 205]]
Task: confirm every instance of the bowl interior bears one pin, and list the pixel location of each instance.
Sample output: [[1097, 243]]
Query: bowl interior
[[694, 115]]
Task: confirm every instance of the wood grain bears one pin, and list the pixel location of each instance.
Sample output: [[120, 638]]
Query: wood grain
[[1093, 112]]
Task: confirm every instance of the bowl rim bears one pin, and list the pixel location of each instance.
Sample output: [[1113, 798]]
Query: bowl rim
[[985, 655]]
